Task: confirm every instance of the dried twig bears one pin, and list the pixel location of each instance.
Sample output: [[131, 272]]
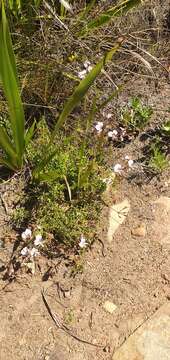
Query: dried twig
[[60, 23], [59, 323]]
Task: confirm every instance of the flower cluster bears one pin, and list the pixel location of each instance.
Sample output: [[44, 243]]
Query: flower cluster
[[118, 135], [87, 68], [118, 168], [38, 241]]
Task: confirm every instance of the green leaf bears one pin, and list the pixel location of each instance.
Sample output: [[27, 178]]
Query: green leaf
[[29, 133], [10, 154], [166, 127], [6, 145], [7, 163], [115, 11]]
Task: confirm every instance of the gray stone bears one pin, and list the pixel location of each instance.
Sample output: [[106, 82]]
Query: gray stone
[[151, 341]]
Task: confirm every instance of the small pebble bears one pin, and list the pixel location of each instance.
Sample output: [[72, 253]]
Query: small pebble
[[139, 231], [109, 306]]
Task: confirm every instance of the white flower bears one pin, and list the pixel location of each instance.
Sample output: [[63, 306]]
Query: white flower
[[66, 4], [82, 243], [26, 234], [90, 67], [86, 64], [130, 163], [109, 116], [34, 252], [24, 251], [82, 74], [99, 126], [117, 168], [38, 240], [123, 131], [115, 132], [110, 134]]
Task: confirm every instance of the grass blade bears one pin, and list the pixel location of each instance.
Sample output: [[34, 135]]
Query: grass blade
[[116, 11]]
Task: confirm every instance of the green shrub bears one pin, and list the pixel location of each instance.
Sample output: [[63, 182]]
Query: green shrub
[[67, 192]]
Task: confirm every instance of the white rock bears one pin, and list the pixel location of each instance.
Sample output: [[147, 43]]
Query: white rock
[[109, 306]]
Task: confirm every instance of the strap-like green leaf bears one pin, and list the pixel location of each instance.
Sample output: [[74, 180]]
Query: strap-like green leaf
[[8, 76]]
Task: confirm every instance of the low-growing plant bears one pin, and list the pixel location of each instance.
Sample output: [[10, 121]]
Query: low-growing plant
[[158, 160], [69, 317], [136, 115], [67, 193], [166, 128]]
